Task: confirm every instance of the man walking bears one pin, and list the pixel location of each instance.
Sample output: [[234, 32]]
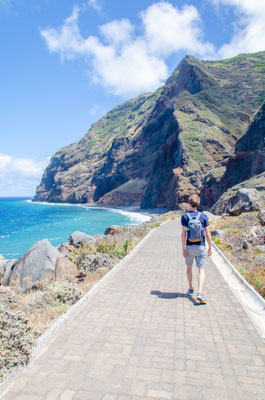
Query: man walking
[[195, 228]]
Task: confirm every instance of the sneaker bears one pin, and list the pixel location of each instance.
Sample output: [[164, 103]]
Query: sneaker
[[190, 292], [200, 298]]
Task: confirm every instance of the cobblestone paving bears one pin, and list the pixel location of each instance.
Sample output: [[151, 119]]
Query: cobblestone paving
[[141, 337]]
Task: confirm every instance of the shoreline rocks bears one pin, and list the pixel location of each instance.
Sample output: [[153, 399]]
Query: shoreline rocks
[[38, 263], [77, 238]]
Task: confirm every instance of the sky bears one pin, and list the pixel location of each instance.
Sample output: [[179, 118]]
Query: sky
[[64, 64]]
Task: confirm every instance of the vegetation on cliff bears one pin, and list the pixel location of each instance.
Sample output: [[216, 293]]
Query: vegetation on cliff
[[156, 150]]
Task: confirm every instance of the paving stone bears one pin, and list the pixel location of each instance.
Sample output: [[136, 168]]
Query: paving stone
[[141, 338], [67, 395]]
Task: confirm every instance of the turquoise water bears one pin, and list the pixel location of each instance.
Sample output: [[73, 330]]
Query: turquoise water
[[23, 223]]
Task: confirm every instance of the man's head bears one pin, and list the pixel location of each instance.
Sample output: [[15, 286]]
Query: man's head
[[194, 201]]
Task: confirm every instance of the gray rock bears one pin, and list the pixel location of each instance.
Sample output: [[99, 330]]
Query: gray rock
[[38, 263], [3, 262], [64, 269], [111, 230], [8, 270], [65, 248], [261, 216], [237, 202], [77, 238], [260, 260], [218, 233]]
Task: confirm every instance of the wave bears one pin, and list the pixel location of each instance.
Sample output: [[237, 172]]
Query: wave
[[136, 217]]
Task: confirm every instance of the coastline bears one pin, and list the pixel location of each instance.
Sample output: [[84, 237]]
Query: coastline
[[132, 212], [106, 216]]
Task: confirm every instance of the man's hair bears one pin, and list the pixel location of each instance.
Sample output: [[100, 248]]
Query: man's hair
[[194, 200]]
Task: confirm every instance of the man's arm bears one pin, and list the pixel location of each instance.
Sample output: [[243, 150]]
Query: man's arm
[[183, 238], [208, 238]]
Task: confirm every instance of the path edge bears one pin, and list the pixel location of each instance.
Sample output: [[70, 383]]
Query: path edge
[[251, 301]]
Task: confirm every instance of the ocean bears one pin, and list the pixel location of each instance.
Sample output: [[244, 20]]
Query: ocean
[[23, 223]]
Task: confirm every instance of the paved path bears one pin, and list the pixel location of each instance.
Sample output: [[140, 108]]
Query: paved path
[[141, 337]]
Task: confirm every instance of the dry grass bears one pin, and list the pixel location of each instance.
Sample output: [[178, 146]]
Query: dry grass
[[240, 252]]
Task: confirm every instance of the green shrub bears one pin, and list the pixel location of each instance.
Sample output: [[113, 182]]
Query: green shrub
[[16, 339], [66, 292]]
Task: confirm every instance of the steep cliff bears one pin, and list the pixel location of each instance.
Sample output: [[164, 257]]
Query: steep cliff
[[156, 149], [247, 161]]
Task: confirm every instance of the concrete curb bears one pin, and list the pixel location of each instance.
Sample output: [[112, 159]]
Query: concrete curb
[[48, 336], [252, 302]]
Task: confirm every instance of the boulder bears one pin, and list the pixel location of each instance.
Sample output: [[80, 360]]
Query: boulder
[[261, 216], [218, 233], [113, 229], [37, 264], [64, 268], [237, 202], [65, 248], [8, 271], [3, 262], [78, 238]]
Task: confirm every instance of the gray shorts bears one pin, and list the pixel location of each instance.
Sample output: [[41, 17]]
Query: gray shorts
[[197, 252]]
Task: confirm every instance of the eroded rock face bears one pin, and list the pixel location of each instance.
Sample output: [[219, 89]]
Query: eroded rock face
[[248, 161], [157, 149], [242, 200], [37, 264]]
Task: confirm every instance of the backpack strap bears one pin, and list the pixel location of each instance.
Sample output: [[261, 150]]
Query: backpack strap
[[195, 216], [189, 216]]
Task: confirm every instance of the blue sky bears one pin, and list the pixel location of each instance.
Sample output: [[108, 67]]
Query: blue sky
[[66, 63]]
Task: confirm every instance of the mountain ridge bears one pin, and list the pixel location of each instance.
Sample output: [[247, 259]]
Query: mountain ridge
[[161, 145]]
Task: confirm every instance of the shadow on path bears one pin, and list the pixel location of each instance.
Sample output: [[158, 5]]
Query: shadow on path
[[174, 295]]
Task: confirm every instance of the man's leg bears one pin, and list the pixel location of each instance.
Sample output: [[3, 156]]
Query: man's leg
[[189, 275], [201, 279], [200, 261]]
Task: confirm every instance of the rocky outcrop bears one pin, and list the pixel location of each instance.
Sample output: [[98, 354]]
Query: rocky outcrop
[[113, 229], [247, 161], [35, 265], [157, 149], [78, 238], [245, 197]]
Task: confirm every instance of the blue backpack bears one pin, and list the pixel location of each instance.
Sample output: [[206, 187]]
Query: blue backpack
[[195, 228]]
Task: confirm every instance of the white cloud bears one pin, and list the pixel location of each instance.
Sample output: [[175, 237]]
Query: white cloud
[[117, 32], [123, 62], [249, 28], [20, 176], [169, 30], [95, 4]]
